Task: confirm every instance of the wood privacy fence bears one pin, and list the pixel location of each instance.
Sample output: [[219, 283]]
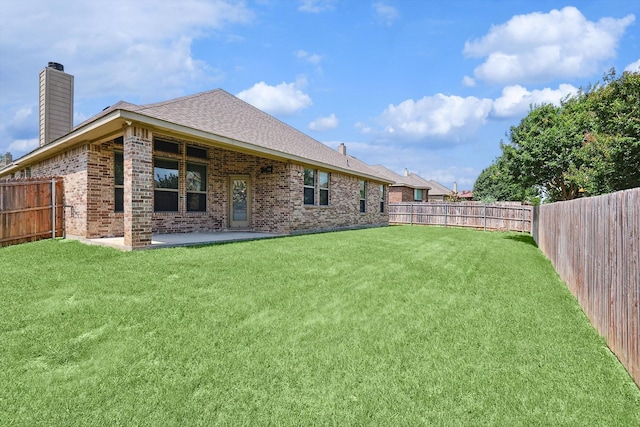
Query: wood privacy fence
[[594, 245], [514, 217], [31, 210]]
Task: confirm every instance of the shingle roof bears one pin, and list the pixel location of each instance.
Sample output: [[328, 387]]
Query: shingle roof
[[438, 189], [220, 113], [412, 180]]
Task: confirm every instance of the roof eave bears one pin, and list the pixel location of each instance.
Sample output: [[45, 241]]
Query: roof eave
[[84, 134], [237, 145]]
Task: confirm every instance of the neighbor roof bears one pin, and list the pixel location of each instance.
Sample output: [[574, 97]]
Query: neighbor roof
[[412, 180], [438, 189], [222, 119]]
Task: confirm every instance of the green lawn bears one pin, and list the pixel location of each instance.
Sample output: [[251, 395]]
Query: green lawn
[[391, 326]]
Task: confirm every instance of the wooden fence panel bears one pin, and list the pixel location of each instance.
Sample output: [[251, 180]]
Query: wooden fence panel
[[594, 245], [31, 210], [463, 214]]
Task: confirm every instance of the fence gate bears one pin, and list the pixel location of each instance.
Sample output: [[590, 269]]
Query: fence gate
[[31, 210]]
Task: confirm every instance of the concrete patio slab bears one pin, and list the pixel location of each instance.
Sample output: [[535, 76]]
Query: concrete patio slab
[[185, 239]]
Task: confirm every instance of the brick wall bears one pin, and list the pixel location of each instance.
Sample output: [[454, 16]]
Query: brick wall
[[344, 204], [72, 166], [276, 193], [400, 194]]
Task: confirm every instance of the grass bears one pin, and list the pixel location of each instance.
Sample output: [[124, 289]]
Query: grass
[[392, 326]]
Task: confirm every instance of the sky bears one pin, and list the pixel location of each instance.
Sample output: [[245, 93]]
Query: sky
[[431, 86]]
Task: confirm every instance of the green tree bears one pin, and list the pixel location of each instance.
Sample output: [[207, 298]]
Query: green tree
[[590, 144], [496, 183]]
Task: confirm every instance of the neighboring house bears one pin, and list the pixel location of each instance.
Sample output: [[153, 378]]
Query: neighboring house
[[203, 162], [438, 192], [466, 195], [405, 188]]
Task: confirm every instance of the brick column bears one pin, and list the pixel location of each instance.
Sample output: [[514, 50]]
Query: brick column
[[138, 186]]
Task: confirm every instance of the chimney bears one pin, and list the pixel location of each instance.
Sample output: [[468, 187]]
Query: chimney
[[6, 159], [342, 149], [455, 187], [406, 172], [56, 103]]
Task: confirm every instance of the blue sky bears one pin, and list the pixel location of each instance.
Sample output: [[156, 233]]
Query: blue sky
[[432, 86]]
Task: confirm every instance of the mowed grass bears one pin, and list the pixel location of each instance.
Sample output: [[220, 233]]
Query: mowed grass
[[391, 326]]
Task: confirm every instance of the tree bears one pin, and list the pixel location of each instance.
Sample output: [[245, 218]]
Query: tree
[[590, 144], [611, 152], [496, 183]]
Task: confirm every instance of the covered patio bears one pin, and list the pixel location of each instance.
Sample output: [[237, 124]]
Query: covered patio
[[183, 239]]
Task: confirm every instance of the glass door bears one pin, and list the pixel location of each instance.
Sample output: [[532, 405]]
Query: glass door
[[240, 202]]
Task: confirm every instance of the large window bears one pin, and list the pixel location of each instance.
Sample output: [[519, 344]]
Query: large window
[[165, 176], [118, 168], [323, 184], [196, 187], [309, 187], [363, 196], [382, 191], [417, 195], [316, 187]]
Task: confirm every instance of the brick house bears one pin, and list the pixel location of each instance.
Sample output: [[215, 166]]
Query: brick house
[[204, 162], [406, 188]]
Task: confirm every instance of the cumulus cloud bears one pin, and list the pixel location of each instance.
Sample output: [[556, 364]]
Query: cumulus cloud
[[385, 13], [141, 57], [538, 47], [324, 123], [285, 98], [516, 100], [633, 67], [316, 6], [439, 116]]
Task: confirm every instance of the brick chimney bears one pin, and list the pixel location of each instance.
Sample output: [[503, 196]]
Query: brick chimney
[[342, 149], [56, 103]]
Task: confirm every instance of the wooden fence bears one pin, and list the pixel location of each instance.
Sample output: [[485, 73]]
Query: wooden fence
[[594, 245], [514, 217], [31, 210]]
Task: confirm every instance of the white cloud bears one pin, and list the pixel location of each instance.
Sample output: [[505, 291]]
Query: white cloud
[[633, 67], [285, 98], [143, 56], [468, 81], [515, 100], [439, 116], [312, 58], [385, 13], [539, 47], [23, 145], [324, 123], [316, 6]]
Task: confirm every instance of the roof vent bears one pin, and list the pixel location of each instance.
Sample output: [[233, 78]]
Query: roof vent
[[56, 66]]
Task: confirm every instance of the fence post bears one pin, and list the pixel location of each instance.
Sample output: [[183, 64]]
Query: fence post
[[523, 219], [411, 214], [485, 217], [446, 209], [53, 208]]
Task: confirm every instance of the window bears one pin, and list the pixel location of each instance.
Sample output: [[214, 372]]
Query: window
[[118, 181], [166, 146], [363, 196], [165, 176], [323, 183], [417, 195], [200, 153], [309, 187], [196, 187], [382, 199]]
